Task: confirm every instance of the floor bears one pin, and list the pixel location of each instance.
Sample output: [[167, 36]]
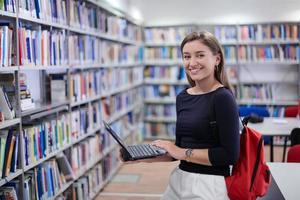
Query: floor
[[147, 181]]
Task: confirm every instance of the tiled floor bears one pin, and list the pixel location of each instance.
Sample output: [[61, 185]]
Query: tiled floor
[[147, 181]]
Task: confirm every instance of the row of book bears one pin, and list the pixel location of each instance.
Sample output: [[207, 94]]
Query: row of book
[[166, 35], [274, 52], [91, 83], [153, 110], [9, 148], [121, 102], [8, 5], [157, 91], [42, 47], [7, 54], [86, 186], [49, 11], [100, 20], [160, 130], [152, 53], [84, 154], [259, 32], [81, 15], [162, 72], [45, 138], [54, 48]]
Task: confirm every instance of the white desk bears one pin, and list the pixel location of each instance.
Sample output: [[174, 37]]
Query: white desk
[[287, 178], [275, 127]]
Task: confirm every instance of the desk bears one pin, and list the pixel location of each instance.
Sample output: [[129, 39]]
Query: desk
[[275, 127], [286, 179]]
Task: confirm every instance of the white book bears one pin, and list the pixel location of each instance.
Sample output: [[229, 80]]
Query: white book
[[6, 106]]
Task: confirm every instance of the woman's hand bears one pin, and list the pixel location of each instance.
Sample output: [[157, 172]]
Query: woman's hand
[[171, 148]]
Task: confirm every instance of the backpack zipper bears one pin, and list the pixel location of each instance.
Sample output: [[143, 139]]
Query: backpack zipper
[[256, 163]]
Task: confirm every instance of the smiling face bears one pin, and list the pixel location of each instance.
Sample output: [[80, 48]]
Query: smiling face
[[199, 61]]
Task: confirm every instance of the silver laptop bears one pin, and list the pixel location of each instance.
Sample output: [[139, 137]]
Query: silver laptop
[[135, 152]]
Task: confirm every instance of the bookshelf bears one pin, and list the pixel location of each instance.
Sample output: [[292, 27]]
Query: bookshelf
[[81, 62], [164, 78], [262, 63]]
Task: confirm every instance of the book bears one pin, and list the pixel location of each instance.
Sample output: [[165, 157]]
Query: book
[[5, 105]]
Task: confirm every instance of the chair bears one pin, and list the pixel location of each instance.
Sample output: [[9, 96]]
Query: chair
[[294, 154], [295, 140], [248, 110], [291, 111]]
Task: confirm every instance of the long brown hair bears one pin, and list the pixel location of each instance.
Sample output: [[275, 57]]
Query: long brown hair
[[213, 44]]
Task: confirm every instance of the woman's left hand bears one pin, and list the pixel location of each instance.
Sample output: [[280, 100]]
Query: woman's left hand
[[171, 148]]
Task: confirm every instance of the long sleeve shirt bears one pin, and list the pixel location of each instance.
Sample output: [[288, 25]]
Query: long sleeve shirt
[[193, 129]]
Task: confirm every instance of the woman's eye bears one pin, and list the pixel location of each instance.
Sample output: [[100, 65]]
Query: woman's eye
[[186, 57], [200, 55]]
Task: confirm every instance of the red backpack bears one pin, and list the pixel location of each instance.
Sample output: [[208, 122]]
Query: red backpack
[[250, 176]]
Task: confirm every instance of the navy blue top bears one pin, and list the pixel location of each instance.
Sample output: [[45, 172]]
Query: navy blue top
[[193, 129]]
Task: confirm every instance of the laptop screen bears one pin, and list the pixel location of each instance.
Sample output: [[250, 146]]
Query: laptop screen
[[114, 134]]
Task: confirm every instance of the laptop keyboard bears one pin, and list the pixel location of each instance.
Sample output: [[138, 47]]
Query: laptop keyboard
[[143, 150]]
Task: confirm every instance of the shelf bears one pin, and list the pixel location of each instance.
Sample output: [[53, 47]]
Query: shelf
[[7, 14], [256, 42], [42, 22], [162, 100], [122, 112], [8, 123], [163, 62], [161, 119], [162, 44], [267, 42], [10, 177], [44, 109], [267, 102], [158, 137], [124, 88], [268, 82], [165, 81], [9, 69], [61, 190], [111, 65], [35, 67], [74, 104], [269, 62]]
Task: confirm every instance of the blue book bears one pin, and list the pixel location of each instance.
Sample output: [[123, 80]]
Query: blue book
[[37, 8], [49, 180], [28, 48]]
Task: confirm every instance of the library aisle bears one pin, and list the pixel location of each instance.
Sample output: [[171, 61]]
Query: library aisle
[[147, 181], [142, 181]]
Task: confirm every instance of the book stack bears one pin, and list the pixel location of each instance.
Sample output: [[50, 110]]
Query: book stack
[[26, 101]]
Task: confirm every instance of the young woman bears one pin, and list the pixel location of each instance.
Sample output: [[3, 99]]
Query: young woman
[[204, 156]]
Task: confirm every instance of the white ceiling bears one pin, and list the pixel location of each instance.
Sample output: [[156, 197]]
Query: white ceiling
[[173, 12]]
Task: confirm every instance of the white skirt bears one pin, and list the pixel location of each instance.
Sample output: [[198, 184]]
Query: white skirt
[[193, 186]]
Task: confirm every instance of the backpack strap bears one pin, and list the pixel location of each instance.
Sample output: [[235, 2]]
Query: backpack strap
[[212, 117]]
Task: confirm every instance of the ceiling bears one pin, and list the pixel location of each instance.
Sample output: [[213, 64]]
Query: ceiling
[[176, 12]]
